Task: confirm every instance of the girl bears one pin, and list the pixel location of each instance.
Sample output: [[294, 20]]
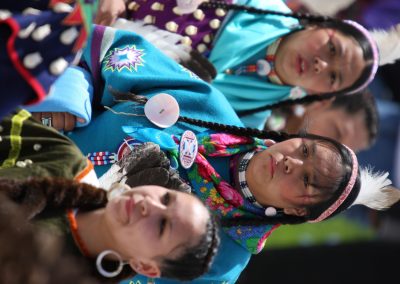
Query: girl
[[125, 224], [268, 58], [119, 231]]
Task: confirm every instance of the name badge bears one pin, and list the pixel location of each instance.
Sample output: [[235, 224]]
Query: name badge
[[188, 148]]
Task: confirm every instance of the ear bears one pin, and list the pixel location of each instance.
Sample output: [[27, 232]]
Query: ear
[[146, 268], [295, 211]]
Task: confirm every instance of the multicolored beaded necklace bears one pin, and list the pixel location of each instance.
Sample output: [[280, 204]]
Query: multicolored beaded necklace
[[263, 67]]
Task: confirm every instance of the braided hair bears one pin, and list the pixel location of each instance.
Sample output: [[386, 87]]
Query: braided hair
[[322, 21], [37, 194]]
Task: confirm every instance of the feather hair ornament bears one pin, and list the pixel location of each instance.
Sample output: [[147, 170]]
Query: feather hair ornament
[[376, 191], [388, 44]]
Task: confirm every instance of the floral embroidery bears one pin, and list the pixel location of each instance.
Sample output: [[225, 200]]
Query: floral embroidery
[[127, 57]]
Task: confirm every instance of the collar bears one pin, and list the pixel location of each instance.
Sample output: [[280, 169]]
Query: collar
[[244, 188]]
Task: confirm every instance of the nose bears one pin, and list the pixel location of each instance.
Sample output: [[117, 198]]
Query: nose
[[150, 206], [319, 65], [291, 163]]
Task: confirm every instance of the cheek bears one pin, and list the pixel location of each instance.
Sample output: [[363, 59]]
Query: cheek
[[288, 189]]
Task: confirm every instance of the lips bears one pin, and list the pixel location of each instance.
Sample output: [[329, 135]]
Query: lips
[[129, 207], [301, 65], [272, 166]]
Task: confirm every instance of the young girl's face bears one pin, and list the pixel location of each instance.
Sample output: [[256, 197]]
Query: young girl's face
[[149, 223], [320, 60], [294, 174]]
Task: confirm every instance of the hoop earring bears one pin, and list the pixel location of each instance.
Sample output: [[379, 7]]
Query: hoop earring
[[104, 272]]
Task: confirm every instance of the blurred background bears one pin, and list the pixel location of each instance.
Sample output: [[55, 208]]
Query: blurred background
[[362, 245]]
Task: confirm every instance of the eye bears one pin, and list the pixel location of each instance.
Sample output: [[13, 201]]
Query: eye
[[166, 198], [305, 150], [163, 223], [332, 48], [332, 78]]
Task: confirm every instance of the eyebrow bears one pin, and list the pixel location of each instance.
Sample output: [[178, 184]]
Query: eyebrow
[[313, 155], [172, 201], [340, 54]]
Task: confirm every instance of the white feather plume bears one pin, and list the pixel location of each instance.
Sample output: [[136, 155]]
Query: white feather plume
[[376, 191], [110, 177], [388, 44], [169, 43]]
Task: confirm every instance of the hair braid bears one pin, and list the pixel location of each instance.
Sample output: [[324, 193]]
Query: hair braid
[[254, 222], [249, 9], [237, 130], [35, 194], [304, 100]]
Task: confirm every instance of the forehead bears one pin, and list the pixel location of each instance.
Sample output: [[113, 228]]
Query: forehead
[[327, 162], [188, 221], [351, 61], [336, 123], [153, 190]]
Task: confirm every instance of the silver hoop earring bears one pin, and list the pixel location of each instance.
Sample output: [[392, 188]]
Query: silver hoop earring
[[104, 272]]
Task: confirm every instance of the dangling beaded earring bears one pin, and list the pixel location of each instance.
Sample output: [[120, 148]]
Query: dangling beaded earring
[[104, 272]]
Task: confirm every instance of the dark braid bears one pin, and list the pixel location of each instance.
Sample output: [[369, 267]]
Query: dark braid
[[37, 194], [258, 221], [236, 7], [237, 130], [285, 103]]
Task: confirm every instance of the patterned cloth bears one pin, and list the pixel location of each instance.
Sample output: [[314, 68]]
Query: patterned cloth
[[199, 28], [39, 39]]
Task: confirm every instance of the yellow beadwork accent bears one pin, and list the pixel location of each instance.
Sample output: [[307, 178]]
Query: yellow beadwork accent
[[207, 38], [214, 24], [172, 26], [15, 138], [186, 40], [157, 6], [176, 11], [201, 47], [220, 12], [149, 19], [133, 6], [198, 14], [191, 30]]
